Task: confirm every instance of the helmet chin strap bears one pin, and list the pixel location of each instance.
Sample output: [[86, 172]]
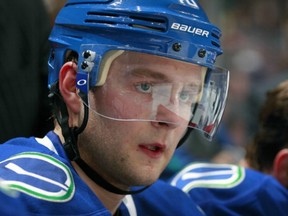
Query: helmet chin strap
[[70, 146]]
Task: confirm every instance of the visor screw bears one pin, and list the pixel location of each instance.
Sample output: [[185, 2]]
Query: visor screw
[[202, 53], [176, 47], [84, 65], [86, 54]]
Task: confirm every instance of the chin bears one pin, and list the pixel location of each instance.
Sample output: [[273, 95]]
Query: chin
[[149, 180], [144, 175]]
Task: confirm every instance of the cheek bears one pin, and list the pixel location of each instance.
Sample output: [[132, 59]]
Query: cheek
[[123, 106]]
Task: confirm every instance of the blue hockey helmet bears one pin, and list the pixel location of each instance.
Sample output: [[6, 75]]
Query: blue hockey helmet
[[100, 30]]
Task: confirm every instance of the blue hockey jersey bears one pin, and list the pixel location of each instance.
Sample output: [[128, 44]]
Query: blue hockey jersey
[[225, 189], [40, 170]]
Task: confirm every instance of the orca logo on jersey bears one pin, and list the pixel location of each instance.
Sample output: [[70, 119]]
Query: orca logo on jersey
[[209, 175], [38, 175]]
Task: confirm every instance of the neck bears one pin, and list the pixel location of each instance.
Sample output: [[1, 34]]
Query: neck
[[110, 200]]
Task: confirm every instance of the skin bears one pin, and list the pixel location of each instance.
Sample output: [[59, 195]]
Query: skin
[[280, 167], [128, 153]]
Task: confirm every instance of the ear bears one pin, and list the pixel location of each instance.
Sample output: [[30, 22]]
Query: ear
[[67, 87], [280, 167]]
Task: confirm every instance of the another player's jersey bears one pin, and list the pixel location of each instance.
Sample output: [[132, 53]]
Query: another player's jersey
[[48, 184], [223, 189]]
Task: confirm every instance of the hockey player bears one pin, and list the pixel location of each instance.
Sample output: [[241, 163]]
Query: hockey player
[[128, 80], [225, 189]]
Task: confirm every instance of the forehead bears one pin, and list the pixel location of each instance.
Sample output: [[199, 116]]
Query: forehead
[[142, 64]]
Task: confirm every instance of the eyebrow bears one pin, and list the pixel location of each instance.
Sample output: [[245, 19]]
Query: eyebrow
[[142, 72]]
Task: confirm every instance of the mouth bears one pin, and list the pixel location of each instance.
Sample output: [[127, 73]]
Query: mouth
[[153, 150]]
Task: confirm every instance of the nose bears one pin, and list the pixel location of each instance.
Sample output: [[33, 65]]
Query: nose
[[167, 118]]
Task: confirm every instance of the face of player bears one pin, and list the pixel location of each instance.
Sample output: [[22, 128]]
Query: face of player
[[138, 116]]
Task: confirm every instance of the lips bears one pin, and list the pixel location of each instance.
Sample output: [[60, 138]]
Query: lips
[[152, 150]]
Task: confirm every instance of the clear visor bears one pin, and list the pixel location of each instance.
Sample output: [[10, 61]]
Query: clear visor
[[145, 87]]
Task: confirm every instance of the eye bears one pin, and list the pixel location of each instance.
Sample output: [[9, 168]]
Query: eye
[[188, 96], [185, 96], [144, 87], [190, 93]]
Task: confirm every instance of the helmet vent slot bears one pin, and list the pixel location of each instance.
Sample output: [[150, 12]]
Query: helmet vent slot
[[216, 34], [215, 44], [130, 21]]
